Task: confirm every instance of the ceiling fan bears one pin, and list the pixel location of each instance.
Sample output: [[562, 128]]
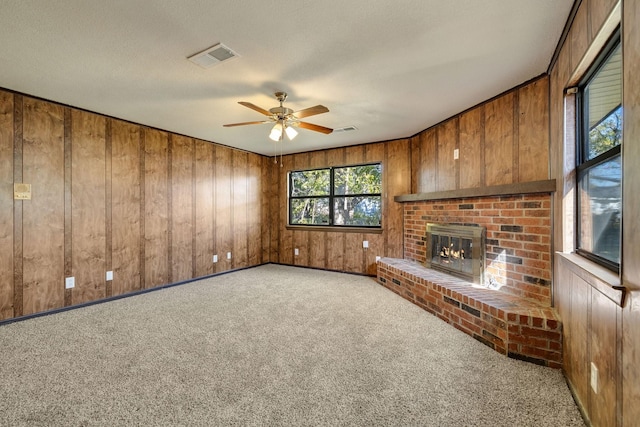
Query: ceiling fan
[[285, 119]]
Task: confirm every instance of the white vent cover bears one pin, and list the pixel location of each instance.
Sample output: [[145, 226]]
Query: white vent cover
[[345, 129], [213, 56]]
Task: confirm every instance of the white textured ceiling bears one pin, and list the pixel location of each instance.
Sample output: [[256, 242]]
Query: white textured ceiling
[[390, 68]]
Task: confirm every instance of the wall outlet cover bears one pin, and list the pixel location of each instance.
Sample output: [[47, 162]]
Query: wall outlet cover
[[69, 282], [109, 275], [296, 251], [215, 258], [228, 255], [365, 244]]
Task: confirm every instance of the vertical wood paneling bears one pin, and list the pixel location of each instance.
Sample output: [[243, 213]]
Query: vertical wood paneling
[[269, 172], [416, 158], [317, 239], [108, 196], [603, 355], [240, 177], [254, 209], [335, 240], [18, 229], [353, 251], [472, 148], [301, 237], [578, 326], [125, 207], [631, 154], [533, 141], [205, 214], [68, 206], [182, 154], [6, 205], [43, 215], [376, 153], [286, 236], [156, 216], [396, 182], [631, 209], [579, 35], [598, 12], [88, 213], [499, 140], [223, 210], [427, 173], [447, 141]]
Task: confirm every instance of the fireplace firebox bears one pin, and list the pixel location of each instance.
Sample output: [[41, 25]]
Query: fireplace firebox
[[457, 249]]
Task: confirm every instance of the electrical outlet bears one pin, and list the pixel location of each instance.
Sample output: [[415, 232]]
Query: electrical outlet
[[296, 251], [109, 275], [215, 258], [228, 255], [594, 377], [456, 154], [69, 282], [365, 244]]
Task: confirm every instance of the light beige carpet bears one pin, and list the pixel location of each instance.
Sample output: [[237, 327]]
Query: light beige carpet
[[267, 346]]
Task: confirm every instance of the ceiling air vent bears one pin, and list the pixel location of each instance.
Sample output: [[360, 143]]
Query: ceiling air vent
[[213, 56], [345, 129]]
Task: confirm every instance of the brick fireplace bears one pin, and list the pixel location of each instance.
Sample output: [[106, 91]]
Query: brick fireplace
[[511, 310], [518, 238]]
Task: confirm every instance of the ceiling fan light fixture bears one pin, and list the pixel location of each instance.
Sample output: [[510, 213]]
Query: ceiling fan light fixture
[[291, 132], [276, 132]]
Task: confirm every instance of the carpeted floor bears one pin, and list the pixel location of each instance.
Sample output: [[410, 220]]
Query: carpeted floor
[[268, 346]]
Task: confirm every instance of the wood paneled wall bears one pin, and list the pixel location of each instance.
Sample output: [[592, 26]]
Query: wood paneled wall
[[341, 250], [596, 329], [631, 214], [151, 206], [503, 141]]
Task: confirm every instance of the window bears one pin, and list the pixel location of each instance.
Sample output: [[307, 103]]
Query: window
[[599, 168], [348, 196]]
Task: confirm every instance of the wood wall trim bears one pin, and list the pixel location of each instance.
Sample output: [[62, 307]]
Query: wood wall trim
[[604, 281], [533, 187]]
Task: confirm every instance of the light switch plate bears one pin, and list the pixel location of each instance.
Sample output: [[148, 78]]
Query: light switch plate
[[228, 255], [109, 275], [69, 282], [296, 251], [456, 154], [365, 244], [215, 258]]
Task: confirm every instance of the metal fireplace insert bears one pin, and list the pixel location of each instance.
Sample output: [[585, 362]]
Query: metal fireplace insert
[[457, 249]]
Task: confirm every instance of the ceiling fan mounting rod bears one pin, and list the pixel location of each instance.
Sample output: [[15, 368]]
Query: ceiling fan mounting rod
[[281, 96]]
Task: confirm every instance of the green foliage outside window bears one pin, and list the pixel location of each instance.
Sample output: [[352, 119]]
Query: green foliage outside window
[[343, 196]]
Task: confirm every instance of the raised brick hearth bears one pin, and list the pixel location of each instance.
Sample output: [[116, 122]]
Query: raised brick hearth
[[513, 325]]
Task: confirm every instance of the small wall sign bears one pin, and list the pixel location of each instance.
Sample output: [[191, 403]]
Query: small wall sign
[[21, 191]]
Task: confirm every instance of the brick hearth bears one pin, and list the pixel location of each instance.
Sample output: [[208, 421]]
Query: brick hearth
[[513, 325]]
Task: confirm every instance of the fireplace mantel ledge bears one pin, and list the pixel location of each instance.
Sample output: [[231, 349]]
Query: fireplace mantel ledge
[[532, 187]]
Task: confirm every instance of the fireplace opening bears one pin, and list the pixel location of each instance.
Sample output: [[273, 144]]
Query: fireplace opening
[[457, 249]]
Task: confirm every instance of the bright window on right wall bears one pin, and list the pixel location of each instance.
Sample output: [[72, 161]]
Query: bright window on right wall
[[599, 160]]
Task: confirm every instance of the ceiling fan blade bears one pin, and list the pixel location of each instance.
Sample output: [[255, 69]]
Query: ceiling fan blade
[[311, 111], [316, 128], [246, 123], [255, 108]]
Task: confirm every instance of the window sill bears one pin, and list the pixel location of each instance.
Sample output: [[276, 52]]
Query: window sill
[[604, 281], [341, 229]]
